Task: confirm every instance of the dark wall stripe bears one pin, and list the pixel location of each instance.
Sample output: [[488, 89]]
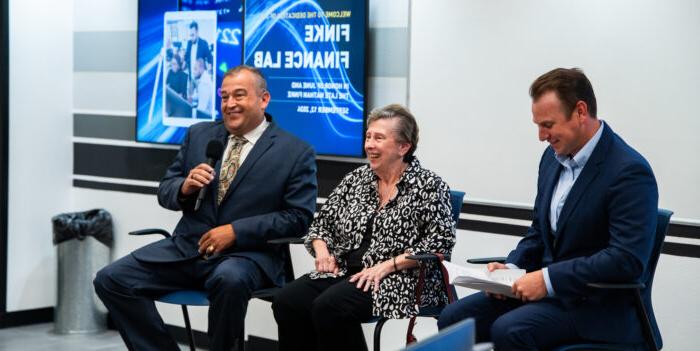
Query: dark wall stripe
[[330, 173], [669, 248], [491, 227], [676, 230], [121, 161], [15, 319], [102, 126], [79, 183], [684, 231], [679, 249], [497, 211], [150, 164]]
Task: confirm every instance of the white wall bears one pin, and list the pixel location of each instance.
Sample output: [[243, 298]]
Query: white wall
[[472, 63], [40, 158]]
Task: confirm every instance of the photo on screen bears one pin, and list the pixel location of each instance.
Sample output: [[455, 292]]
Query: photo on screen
[[229, 22], [189, 54], [155, 63]]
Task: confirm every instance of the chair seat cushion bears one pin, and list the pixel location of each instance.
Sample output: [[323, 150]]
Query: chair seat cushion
[[186, 297], [430, 311]]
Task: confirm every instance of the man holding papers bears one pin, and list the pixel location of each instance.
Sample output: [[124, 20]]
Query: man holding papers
[[594, 221], [499, 281]]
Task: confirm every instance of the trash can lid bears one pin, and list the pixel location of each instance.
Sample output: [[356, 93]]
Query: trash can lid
[[77, 225]]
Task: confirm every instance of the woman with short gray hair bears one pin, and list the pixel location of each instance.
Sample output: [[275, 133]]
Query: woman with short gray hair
[[378, 214]]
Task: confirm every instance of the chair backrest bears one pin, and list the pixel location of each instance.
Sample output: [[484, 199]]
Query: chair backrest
[[662, 222], [458, 337], [456, 200]]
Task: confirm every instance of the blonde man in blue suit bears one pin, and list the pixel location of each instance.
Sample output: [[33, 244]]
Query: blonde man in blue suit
[[594, 221], [221, 247]]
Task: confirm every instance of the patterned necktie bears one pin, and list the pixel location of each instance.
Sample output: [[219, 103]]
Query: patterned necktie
[[230, 165]]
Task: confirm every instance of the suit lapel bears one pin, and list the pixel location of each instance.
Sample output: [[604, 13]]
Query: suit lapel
[[588, 174], [551, 178], [261, 146]]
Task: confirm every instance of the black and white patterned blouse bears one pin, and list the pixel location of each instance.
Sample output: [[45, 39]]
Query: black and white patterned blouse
[[418, 220]]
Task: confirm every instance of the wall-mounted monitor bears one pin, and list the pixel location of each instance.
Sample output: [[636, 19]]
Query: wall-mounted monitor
[[313, 54], [184, 48]]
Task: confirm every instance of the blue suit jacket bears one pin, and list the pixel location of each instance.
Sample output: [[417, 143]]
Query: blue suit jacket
[[605, 233], [273, 195], [202, 52]]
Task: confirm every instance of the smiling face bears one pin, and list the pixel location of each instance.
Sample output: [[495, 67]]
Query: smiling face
[[384, 150], [243, 102], [566, 135]]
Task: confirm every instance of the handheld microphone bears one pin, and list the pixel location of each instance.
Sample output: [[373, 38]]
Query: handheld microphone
[[214, 150]]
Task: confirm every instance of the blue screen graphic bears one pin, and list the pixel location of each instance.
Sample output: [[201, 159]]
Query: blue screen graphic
[[313, 55], [155, 56]]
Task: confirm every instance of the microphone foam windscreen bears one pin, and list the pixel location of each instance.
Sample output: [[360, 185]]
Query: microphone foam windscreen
[[215, 149]]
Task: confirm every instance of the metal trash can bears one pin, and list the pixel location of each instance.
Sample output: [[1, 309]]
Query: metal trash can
[[83, 241]]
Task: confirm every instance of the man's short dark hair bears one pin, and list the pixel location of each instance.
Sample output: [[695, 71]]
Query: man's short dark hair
[[194, 25], [570, 85], [262, 83]]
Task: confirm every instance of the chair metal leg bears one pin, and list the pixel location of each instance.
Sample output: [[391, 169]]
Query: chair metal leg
[[190, 335], [644, 320], [378, 333]]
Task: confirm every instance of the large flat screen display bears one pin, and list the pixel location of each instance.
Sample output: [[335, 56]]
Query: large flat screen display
[[313, 55], [184, 48]]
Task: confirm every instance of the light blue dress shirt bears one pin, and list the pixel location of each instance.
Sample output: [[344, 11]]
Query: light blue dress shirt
[[567, 178]]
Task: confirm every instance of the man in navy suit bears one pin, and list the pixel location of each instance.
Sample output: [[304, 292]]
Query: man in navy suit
[[594, 221], [221, 247], [197, 48]]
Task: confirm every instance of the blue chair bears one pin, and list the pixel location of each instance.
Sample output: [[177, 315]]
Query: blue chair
[[456, 201], [635, 289], [186, 298], [457, 337]]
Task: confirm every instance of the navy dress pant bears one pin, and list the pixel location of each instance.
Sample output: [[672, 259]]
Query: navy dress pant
[[513, 325], [128, 288]]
